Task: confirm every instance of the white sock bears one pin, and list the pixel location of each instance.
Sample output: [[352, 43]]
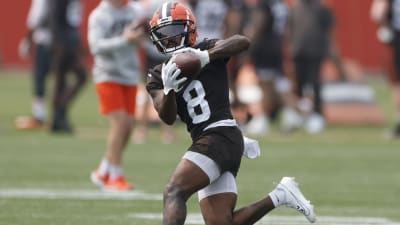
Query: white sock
[[115, 171], [277, 196], [39, 109], [104, 167]]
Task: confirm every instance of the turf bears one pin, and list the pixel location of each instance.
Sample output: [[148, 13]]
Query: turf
[[349, 171]]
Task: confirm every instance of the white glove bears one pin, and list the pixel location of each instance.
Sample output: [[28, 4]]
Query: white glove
[[203, 55], [251, 148], [169, 75]]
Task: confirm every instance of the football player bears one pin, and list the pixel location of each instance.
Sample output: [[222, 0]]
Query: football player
[[37, 39], [211, 163], [386, 14], [65, 21], [266, 31], [114, 41]]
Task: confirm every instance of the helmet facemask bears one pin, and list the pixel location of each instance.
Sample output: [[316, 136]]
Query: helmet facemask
[[171, 36]]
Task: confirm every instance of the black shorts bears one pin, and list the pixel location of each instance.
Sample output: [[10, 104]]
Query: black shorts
[[224, 145]]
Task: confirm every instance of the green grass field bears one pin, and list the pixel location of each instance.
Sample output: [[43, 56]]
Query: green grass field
[[351, 173]]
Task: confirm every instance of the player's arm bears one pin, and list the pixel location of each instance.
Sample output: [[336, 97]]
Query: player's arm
[[222, 49], [379, 10], [165, 105], [164, 100], [229, 47], [99, 43]]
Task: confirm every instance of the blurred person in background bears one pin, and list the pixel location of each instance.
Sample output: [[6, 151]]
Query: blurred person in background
[[149, 57], [237, 15], [386, 14], [213, 14], [65, 19], [38, 43], [310, 28], [210, 165], [266, 31], [114, 39], [220, 19]]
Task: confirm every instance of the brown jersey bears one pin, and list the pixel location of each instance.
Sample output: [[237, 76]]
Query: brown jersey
[[203, 100]]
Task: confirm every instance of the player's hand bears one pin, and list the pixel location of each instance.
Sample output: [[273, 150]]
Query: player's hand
[[24, 48], [134, 36], [203, 55], [169, 75]]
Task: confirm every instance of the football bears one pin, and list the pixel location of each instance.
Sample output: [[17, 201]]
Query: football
[[188, 63]]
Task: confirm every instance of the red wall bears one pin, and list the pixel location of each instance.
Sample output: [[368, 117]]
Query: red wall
[[13, 28], [355, 33]]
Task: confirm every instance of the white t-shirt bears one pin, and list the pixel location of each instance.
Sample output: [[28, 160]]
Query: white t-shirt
[[210, 16], [114, 58], [38, 12]]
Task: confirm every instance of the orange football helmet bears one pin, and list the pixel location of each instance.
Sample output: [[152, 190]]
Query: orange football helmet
[[172, 27]]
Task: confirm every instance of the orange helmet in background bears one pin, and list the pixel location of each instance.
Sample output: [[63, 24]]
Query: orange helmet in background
[[172, 27]]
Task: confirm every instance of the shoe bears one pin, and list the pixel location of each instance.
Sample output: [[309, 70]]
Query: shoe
[[257, 126], [395, 132], [295, 199], [28, 123], [291, 120], [117, 184], [97, 179], [61, 123], [60, 127], [315, 124]]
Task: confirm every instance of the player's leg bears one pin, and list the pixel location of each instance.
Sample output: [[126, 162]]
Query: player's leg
[[305, 104], [120, 128], [187, 179], [80, 80], [78, 69], [119, 133], [217, 208], [69, 59], [286, 193], [60, 123], [121, 125], [250, 93], [117, 103], [395, 87], [72, 62], [315, 80], [218, 200], [41, 69], [199, 168], [396, 99], [315, 123], [290, 117]]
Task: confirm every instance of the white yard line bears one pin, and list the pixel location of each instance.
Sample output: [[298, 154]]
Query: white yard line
[[78, 194], [192, 218], [195, 218]]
